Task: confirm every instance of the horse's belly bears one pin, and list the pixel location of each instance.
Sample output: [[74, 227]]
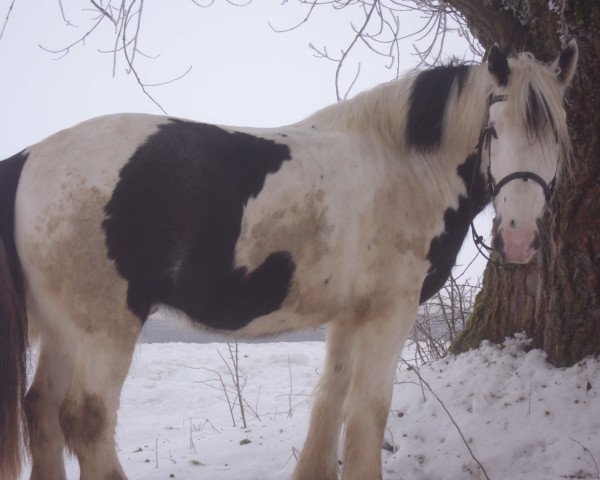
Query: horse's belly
[[355, 282]]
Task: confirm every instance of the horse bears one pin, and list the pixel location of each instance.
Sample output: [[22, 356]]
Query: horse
[[350, 218]]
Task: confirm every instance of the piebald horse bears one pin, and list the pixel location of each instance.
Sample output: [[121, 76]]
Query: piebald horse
[[350, 218]]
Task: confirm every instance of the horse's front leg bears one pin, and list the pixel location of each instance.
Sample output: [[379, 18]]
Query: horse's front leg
[[319, 457], [378, 344]]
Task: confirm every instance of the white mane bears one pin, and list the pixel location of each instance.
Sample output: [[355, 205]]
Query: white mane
[[534, 100]]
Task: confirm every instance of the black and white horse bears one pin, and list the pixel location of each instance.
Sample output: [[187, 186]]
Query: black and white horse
[[351, 217]]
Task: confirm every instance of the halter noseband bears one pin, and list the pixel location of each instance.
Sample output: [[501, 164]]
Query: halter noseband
[[485, 141]]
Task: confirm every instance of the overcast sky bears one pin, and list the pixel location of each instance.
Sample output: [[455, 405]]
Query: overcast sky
[[243, 73]]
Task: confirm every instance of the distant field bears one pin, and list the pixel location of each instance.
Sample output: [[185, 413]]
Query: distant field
[[161, 330]]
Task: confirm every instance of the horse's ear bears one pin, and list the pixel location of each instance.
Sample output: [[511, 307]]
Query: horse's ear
[[498, 66], [566, 63]]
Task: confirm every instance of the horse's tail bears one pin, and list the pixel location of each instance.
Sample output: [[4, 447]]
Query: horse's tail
[[13, 327]]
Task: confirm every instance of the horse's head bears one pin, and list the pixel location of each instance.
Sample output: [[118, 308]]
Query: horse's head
[[525, 144]]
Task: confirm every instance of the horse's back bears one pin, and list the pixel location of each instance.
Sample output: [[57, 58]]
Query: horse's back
[[123, 211]]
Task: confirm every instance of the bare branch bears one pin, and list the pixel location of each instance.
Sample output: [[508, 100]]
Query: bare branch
[[233, 355], [424, 382], [379, 31], [10, 9], [68, 22], [65, 50], [587, 450], [129, 60], [230, 404], [198, 4], [441, 318], [302, 22], [99, 8], [347, 51], [169, 81]]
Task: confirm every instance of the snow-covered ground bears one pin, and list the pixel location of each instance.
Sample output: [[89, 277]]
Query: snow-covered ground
[[522, 418]]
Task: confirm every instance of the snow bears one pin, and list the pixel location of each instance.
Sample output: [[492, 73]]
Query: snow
[[522, 418]]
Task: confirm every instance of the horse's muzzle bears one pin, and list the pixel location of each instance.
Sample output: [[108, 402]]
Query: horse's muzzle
[[517, 245]]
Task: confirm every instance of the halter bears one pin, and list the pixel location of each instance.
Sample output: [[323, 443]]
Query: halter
[[485, 138], [485, 141]]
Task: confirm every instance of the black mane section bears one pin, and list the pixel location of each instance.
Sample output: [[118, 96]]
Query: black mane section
[[537, 114], [444, 248], [428, 99], [174, 219]]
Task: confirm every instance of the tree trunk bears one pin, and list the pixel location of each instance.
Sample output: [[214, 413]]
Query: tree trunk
[[556, 298]]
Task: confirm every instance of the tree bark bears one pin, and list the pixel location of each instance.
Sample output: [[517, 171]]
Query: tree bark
[[555, 299]]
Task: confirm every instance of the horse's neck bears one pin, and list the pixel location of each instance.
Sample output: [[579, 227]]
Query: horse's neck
[[381, 115]]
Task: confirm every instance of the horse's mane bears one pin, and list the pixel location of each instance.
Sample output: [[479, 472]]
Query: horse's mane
[[444, 107]]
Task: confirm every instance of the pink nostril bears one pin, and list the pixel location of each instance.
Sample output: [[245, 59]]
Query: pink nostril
[[519, 245]]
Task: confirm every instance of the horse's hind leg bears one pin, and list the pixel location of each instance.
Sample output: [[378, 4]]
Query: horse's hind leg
[[42, 404], [319, 458], [88, 414]]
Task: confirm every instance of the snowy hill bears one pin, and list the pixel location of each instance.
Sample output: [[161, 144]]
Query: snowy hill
[[522, 418]]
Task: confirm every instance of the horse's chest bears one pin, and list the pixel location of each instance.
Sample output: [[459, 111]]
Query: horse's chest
[[356, 245]]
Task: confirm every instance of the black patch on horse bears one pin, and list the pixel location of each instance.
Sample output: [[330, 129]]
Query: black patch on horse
[[174, 219], [444, 248], [10, 173], [428, 99]]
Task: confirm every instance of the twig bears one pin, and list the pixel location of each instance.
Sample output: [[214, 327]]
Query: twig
[[65, 50], [441, 318], [347, 51], [10, 9], [302, 22], [587, 450], [129, 60], [64, 17], [192, 439], [156, 452], [219, 378], [166, 82], [410, 367], [421, 379], [233, 355], [101, 10], [291, 388]]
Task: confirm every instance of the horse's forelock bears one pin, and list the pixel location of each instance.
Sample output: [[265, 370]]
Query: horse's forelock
[[535, 100]]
